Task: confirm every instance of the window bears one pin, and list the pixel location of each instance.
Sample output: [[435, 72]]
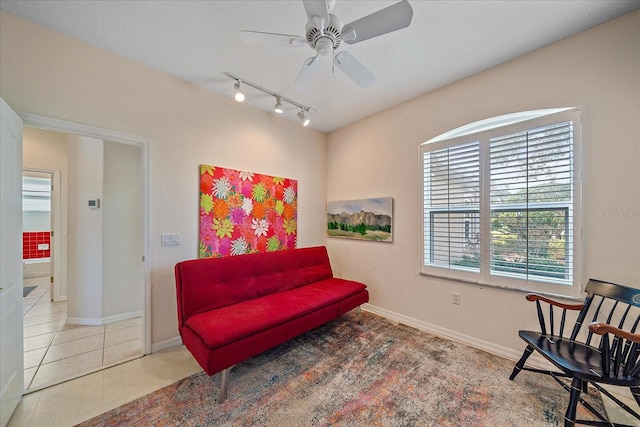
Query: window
[[502, 205], [36, 193]]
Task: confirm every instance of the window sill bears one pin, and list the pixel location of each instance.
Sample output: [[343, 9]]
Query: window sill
[[503, 287]]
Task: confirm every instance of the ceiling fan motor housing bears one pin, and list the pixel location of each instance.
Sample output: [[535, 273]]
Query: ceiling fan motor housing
[[327, 40]]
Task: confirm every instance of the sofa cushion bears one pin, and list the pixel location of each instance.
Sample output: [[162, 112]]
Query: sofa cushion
[[211, 283], [231, 323]]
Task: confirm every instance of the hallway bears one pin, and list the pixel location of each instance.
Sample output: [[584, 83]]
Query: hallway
[[55, 352]]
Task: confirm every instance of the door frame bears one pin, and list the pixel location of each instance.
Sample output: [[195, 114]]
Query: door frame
[[64, 126]]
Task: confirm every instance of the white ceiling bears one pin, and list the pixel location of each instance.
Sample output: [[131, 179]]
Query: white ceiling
[[198, 41]]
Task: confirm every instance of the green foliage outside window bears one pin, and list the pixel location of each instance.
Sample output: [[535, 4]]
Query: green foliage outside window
[[536, 235], [359, 228]]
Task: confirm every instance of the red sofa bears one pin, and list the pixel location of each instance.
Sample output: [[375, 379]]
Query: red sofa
[[232, 308]]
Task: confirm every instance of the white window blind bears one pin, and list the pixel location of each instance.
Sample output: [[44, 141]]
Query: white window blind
[[502, 206], [531, 196], [451, 200]]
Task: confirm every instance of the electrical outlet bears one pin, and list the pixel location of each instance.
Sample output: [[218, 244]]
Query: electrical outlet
[[456, 298]]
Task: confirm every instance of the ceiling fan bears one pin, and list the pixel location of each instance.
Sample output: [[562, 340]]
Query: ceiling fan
[[324, 33]]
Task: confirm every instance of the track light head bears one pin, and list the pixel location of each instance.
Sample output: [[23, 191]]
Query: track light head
[[238, 94], [303, 119], [278, 108]]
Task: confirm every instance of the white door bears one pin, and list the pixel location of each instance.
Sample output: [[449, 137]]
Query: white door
[[11, 356]]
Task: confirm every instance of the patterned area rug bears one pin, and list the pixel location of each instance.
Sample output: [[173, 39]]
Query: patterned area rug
[[345, 374]]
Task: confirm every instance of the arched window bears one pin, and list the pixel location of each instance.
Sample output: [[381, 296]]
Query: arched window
[[501, 202]]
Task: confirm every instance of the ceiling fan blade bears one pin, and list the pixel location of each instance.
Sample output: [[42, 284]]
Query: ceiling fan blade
[[316, 8], [354, 69], [392, 18], [271, 39], [306, 73]]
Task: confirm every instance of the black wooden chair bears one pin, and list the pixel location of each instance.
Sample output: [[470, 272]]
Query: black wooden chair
[[601, 348]]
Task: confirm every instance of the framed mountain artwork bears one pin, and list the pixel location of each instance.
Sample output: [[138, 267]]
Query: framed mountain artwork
[[365, 219], [245, 212]]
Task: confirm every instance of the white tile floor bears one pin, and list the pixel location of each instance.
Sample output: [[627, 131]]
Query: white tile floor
[[55, 352], [614, 412], [83, 398]]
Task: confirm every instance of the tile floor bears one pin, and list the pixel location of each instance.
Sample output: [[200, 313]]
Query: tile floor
[[83, 398], [55, 352], [614, 412]]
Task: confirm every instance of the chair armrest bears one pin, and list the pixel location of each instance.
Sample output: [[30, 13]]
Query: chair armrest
[[602, 328], [547, 322], [536, 297]]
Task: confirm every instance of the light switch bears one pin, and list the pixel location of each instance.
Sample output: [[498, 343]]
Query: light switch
[[170, 239]]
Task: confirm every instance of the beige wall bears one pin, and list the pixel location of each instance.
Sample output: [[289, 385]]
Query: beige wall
[[598, 70], [121, 206], [85, 248], [46, 73]]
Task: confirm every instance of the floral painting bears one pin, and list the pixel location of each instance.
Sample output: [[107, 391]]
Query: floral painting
[[245, 212]]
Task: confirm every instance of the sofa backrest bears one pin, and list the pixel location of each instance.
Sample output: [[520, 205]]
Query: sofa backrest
[[209, 283]]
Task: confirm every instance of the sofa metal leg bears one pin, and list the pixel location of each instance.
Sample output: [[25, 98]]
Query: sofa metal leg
[[224, 385], [359, 311]]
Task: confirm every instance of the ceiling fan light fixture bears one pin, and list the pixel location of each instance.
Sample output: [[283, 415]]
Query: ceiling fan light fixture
[[324, 46], [278, 108], [304, 120], [238, 94]]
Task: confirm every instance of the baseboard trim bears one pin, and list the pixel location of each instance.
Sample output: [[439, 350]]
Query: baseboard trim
[[508, 353], [99, 321], [84, 321], [61, 298], [163, 345], [121, 317]]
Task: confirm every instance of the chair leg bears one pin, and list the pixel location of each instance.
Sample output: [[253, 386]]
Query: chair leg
[[574, 398], [520, 364], [635, 391]]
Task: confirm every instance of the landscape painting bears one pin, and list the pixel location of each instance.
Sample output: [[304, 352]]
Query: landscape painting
[[366, 219]]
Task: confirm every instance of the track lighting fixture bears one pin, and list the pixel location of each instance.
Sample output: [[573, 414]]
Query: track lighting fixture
[[303, 119], [239, 96], [278, 108]]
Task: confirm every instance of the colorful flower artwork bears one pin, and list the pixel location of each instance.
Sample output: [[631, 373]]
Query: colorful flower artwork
[[244, 212]]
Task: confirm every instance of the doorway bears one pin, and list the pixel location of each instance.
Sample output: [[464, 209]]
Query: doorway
[[108, 326], [37, 224]]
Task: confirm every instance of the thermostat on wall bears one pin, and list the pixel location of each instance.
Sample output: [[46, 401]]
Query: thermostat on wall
[[94, 204]]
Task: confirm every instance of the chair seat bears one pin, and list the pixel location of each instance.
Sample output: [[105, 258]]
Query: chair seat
[[575, 358]]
